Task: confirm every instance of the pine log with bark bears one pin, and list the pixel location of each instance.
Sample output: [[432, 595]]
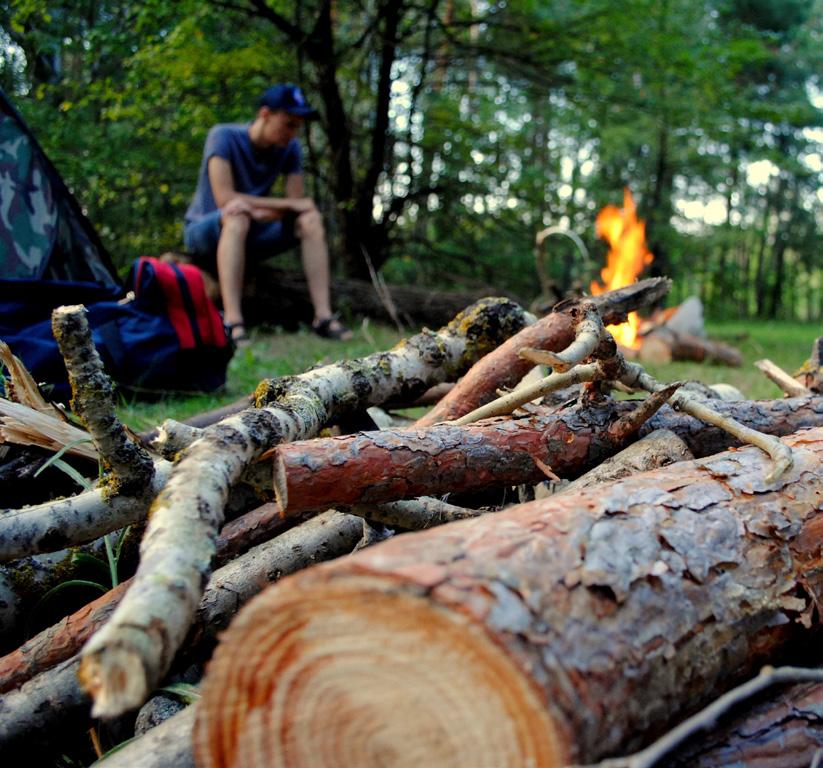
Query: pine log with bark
[[374, 467], [559, 631]]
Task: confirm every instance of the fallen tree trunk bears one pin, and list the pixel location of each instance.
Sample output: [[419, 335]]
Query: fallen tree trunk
[[374, 467], [504, 367], [281, 297], [559, 631]]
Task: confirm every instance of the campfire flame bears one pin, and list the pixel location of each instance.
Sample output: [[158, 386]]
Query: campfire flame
[[628, 255]]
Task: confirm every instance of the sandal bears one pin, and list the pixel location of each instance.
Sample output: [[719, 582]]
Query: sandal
[[240, 339], [332, 328]]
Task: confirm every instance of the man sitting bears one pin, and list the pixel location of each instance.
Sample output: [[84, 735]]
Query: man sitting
[[232, 217]]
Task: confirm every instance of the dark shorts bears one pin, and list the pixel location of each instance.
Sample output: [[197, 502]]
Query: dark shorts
[[264, 239]]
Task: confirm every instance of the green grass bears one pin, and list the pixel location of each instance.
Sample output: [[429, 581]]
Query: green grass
[[785, 344], [272, 353], [275, 353]]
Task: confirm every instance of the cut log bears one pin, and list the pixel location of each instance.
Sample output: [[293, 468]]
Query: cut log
[[663, 345], [559, 631], [375, 467]]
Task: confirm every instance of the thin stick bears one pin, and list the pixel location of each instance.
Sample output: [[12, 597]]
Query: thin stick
[[508, 403], [775, 373], [780, 453], [707, 718]]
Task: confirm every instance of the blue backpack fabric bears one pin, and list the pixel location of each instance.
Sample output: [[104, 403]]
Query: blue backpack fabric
[[151, 336]]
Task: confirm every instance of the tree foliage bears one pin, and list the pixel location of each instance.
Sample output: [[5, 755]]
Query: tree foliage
[[452, 131]]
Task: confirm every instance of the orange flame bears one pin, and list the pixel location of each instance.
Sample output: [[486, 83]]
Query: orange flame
[[628, 255]]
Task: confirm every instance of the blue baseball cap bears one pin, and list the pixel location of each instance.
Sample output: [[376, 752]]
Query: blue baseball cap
[[288, 98]]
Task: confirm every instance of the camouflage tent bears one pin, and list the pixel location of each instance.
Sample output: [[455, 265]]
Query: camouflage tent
[[43, 233]]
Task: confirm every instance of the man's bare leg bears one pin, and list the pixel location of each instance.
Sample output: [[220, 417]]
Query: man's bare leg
[[315, 257], [231, 266]]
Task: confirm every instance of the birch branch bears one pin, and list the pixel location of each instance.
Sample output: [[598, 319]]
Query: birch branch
[[414, 514], [126, 659], [93, 402], [776, 374], [55, 525]]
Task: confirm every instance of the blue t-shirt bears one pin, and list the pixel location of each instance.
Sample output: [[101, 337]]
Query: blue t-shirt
[[254, 170]]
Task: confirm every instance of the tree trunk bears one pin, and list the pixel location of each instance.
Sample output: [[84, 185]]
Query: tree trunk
[[558, 631], [282, 297]]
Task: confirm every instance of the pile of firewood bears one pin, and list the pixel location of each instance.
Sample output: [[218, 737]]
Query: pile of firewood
[[597, 575]]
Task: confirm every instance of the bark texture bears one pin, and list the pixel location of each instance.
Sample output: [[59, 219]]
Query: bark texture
[[657, 449], [375, 467], [415, 514], [166, 746], [504, 368], [559, 631], [784, 731], [93, 401], [127, 658]]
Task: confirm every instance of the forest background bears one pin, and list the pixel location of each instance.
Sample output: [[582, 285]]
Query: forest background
[[452, 131]]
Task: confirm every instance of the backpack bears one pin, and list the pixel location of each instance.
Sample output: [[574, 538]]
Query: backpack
[[165, 334]]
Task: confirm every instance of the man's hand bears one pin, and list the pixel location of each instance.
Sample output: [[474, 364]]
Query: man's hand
[[237, 207]]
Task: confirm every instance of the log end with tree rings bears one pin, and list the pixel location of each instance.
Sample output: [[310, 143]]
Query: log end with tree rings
[[365, 673]]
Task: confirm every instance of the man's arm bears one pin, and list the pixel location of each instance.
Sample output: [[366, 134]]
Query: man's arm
[[221, 179]]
